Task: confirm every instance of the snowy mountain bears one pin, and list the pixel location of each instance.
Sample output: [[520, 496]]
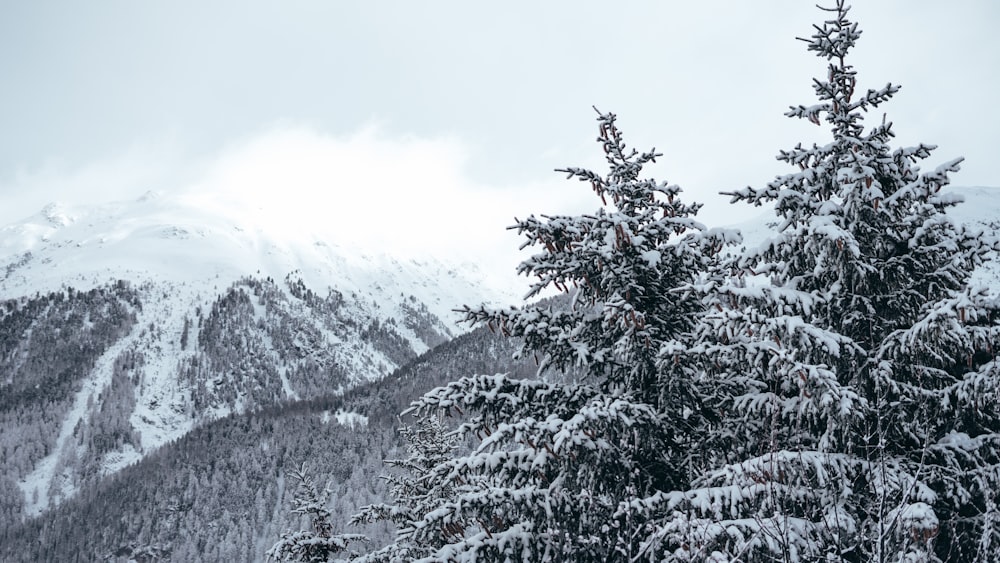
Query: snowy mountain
[[173, 241], [126, 325], [222, 492]]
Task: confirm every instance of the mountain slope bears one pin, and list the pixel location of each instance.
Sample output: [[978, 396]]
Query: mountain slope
[[124, 326], [220, 493]]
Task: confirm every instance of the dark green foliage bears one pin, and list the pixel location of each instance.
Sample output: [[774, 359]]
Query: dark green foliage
[[108, 428], [222, 481], [423, 323], [47, 343], [233, 362], [394, 346], [185, 333], [413, 490], [256, 334]]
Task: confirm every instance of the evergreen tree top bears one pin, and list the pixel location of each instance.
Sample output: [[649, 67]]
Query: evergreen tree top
[[858, 160]]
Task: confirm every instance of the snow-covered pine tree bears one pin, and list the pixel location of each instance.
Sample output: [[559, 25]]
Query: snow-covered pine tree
[[556, 466], [429, 443], [863, 417], [319, 544]]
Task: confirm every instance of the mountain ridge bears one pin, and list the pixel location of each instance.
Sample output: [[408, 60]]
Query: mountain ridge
[[167, 238], [224, 318]]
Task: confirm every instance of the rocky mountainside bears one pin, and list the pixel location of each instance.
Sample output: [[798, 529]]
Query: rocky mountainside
[[222, 492], [125, 326]]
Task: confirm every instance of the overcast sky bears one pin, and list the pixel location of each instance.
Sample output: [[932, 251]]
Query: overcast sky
[[340, 108]]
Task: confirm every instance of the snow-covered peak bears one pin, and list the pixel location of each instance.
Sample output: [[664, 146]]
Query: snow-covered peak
[[981, 205], [56, 215], [168, 239], [221, 310]]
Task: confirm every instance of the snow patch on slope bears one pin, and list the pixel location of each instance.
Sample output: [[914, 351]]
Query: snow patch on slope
[[161, 412], [350, 419], [36, 485]]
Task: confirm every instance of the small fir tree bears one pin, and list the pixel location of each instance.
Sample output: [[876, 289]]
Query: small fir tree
[[319, 544], [415, 493]]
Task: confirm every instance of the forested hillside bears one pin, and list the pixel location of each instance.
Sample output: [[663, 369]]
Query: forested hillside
[[48, 344], [222, 493], [93, 380]]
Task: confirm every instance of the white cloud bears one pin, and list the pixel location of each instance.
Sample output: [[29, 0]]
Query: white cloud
[[405, 195], [124, 175]]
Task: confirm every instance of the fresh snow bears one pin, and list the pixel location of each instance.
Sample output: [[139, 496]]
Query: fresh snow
[[158, 417], [350, 419], [980, 208]]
